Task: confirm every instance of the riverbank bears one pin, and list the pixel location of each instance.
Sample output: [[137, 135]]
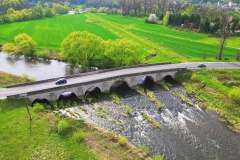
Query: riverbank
[[211, 87], [42, 138], [7, 79]]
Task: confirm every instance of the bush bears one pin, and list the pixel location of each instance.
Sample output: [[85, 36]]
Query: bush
[[42, 54], [183, 75], [157, 157], [62, 127], [122, 140], [234, 95], [38, 107], [79, 136]]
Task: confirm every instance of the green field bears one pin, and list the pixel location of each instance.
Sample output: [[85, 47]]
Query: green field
[[191, 44], [50, 32], [164, 43]]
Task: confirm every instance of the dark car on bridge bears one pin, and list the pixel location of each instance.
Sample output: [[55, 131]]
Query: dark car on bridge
[[202, 65], [61, 81]]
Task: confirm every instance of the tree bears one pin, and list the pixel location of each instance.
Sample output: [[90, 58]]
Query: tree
[[166, 19], [25, 43], [10, 48], [123, 52], [81, 47], [152, 18], [224, 28]]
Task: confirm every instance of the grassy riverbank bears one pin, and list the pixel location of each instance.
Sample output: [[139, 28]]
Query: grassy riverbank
[[211, 87], [41, 138], [7, 79]]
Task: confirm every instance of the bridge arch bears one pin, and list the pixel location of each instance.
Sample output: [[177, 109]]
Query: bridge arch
[[118, 83], [143, 80], [67, 96], [40, 100], [168, 78]]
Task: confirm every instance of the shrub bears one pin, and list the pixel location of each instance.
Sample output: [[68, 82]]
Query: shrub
[[62, 127], [79, 136], [10, 48], [183, 75], [234, 95], [42, 54], [157, 157], [38, 107], [152, 18], [122, 140]]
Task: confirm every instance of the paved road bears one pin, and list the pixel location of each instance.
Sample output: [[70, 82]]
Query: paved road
[[46, 85]]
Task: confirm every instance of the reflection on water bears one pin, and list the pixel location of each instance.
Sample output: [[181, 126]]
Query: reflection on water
[[36, 68]]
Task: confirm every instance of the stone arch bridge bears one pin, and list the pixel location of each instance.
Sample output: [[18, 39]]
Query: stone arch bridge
[[102, 81]]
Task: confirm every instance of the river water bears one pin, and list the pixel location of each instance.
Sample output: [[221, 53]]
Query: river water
[[188, 133], [39, 69]]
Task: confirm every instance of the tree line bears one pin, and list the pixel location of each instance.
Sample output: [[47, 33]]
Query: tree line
[[83, 48], [20, 10]]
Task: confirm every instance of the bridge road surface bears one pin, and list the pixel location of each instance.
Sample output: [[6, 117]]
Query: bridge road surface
[[4, 92]]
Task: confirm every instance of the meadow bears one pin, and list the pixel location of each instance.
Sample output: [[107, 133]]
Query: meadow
[[159, 43], [190, 44], [39, 138], [50, 32]]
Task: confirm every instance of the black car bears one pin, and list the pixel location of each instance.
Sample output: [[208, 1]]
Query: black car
[[61, 81], [201, 65]]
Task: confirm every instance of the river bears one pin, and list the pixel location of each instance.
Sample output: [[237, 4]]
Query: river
[[38, 69], [189, 133]]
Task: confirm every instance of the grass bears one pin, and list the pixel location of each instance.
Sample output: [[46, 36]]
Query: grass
[[50, 32], [7, 79], [164, 43], [114, 97], [150, 120], [211, 88], [150, 95], [191, 45], [39, 138], [183, 97]]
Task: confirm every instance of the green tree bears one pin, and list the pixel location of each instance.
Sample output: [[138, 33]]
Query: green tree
[[166, 19], [81, 48], [123, 52], [10, 48], [25, 43]]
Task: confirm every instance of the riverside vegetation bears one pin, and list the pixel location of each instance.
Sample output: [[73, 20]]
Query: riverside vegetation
[[218, 90], [50, 136]]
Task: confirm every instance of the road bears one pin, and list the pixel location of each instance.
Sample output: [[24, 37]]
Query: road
[[4, 92]]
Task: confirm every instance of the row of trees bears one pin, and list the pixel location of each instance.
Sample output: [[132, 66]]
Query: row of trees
[[14, 10], [85, 49]]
